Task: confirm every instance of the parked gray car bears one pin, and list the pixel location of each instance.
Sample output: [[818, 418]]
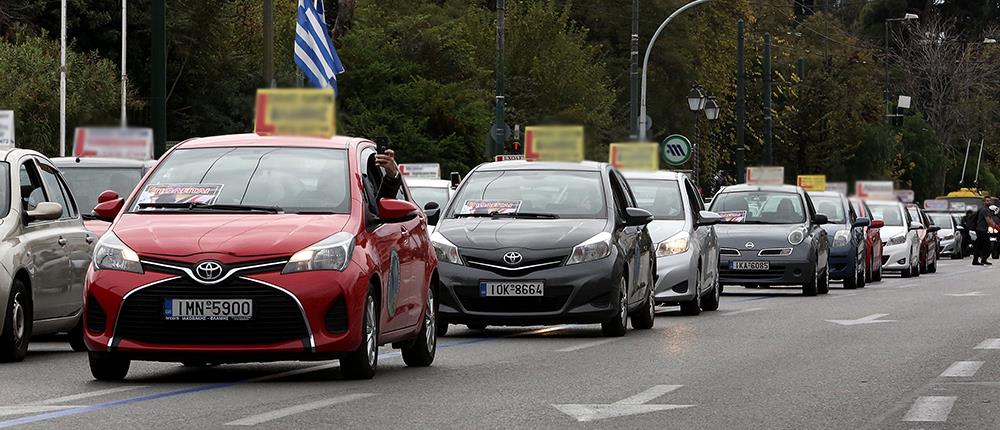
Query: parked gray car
[[44, 253], [687, 248]]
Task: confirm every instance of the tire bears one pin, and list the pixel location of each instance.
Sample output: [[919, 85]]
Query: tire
[[711, 300], [862, 279], [17, 324], [877, 274], [476, 326], [693, 307], [851, 283], [644, 317], [923, 265], [810, 288], [363, 362], [618, 324], [76, 337], [824, 282], [107, 367], [420, 352], [441, 327], [869, 272]]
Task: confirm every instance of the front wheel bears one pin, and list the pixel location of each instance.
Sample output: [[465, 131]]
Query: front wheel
[[824, 282], [420, 353], [107, 367], [932, 266], [712, 299], [362, 362], [644, 317], [618, 324], [877, 273], [17, 324]]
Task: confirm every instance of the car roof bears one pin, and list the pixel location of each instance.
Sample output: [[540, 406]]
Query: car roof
[[588, 166], [824, 193], [251, 139], [427, 183], [97, 162], [883, 202], [658, 174], [749, 187]]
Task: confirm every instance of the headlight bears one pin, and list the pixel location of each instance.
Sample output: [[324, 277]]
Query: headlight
[[898, 239], [111, 254], [676, 244], [841, 238], [332, 253], [591, 249], [446, 251], [796, 236]]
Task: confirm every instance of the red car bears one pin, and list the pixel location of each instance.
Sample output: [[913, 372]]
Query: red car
[[251, 248], [873, 242], [928, 239]]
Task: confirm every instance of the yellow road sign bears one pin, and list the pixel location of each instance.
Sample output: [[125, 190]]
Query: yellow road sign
[[812, 182], [296, 111], [554, 143], [634, 156]]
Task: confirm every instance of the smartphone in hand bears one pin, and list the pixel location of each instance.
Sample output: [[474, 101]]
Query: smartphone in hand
[[382, 143]]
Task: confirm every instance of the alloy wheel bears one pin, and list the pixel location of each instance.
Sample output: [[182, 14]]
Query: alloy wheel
[[430, 328], [623, 306], [18, 319], [370, 343]]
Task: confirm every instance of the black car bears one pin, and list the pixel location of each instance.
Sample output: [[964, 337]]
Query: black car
[[529, 243], [771, 235]]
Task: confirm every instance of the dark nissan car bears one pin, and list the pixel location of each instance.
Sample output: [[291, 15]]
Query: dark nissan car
[[771, 235], [528, 243]]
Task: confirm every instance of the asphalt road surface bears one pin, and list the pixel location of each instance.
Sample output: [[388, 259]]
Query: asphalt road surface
[[920, 353]]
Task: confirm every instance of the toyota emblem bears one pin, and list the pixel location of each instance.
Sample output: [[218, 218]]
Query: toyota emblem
[[208, 270], [749, 245], [512, 258]]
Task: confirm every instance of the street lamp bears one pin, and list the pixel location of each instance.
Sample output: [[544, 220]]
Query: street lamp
[[989, 41], [906, 17], [712, 109], [697, 98]]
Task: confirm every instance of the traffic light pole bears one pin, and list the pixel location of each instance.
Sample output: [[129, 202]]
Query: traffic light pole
[[633, 117], [159, 65], [499, 131]]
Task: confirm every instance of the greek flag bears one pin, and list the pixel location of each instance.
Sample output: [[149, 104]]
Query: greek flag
[[314, 51]]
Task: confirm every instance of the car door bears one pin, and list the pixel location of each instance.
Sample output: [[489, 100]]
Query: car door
[[412, 265], [387, 240], [701, 238], [816, 232], [627, 237], [77, 239], [46, 258]]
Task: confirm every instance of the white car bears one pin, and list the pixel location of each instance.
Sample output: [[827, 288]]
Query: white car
[[901, 243], [427, 191]]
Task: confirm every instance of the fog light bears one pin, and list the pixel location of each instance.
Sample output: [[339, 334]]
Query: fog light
[[797, 273], [901, 261]]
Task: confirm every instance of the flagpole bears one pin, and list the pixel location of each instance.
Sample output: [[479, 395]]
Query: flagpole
[[124, 75], [62, 80]]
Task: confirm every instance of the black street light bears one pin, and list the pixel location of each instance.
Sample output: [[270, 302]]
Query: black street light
[[712, 109], [697, 99]]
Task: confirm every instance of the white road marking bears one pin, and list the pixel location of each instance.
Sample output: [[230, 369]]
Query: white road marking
[[32, 409], [629, 406], [840, 296], [906, 286], [970, 294], [870, 319], [930, 409], [989, 344], [588, 344], [297, 409], [741, 311], [89, 394], [960, 369]]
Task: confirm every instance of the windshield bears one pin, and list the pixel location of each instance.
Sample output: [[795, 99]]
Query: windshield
[[424, 195], [292, 179], [942, 220], [832, 207], [759, 207], [565, 194], [858, 209], [662, 198], [914, 214], [887, 212], [89, 182]]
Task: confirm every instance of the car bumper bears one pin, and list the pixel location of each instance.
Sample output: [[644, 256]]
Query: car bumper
[[896, 257], [676, 278], [842, 264], [783, 271], [948, 247], [304, 316], [584, 293]]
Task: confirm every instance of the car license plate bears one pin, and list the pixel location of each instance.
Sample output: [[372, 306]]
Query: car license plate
[[749, 265], [208, 309], [512, 289]]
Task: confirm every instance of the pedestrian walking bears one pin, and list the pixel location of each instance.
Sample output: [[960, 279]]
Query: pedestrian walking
[[985, 219]]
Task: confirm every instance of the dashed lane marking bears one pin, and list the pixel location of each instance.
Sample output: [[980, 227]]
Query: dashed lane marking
[[588, 345], [32, 409], [930, 409], [840, 296], [89, 394], [962, 369], [989, 344], [297, 409]]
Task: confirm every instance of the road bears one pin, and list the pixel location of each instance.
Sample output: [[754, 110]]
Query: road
[[905, 353]]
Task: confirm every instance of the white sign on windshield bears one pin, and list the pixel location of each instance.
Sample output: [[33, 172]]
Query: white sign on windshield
[[6, 129], [421, 170]]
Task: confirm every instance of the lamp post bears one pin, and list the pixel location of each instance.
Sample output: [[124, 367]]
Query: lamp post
[[696, 103], [906, 17], [712, 111]]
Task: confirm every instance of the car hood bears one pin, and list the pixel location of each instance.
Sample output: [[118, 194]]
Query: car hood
[[238, 235], [889, 231], [832, 229], [492, 234], [762, 235], [661, 230]]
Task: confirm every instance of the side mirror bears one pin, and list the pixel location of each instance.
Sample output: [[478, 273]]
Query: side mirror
[[706, 218], [916, 226], [107, 211], [820, 219], [636, 217], [862, 222], [45, 211], [933, 229], [392, 210], [877, 223], [456, 179], [433, 212], [960, 227], [107, 196]]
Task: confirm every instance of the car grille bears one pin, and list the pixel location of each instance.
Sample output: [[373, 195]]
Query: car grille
[[729, 251], [553, 301], [499, 267], [97, 320], [276, 315]]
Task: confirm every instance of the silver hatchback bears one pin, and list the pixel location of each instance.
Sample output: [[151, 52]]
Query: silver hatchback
[[687, 248], [44, 254]]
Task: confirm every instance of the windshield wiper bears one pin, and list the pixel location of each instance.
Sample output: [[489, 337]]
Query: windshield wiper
[[202, 206], [511, 215]]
